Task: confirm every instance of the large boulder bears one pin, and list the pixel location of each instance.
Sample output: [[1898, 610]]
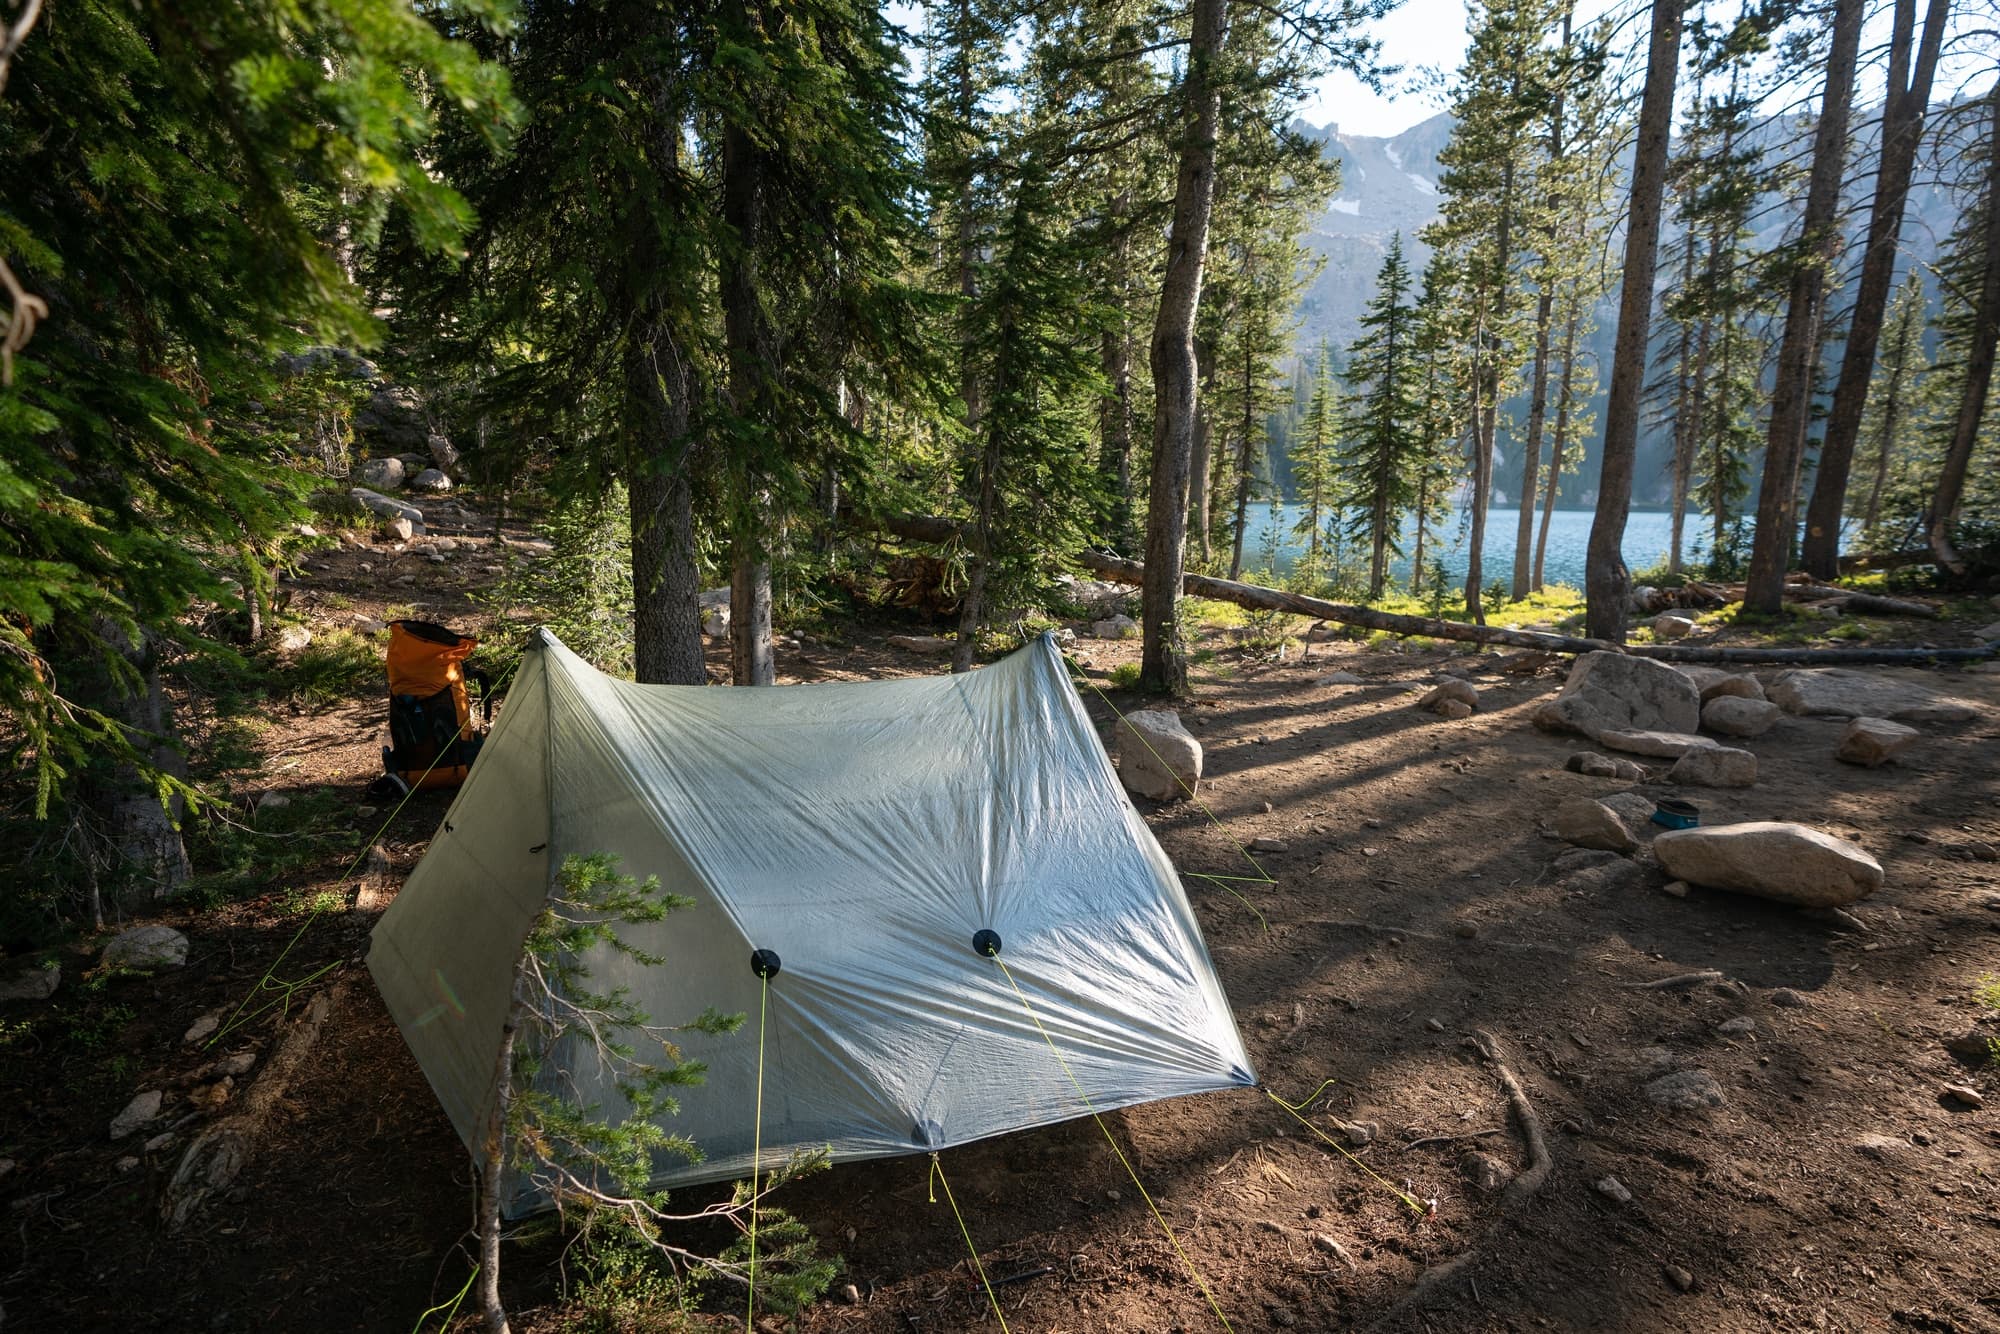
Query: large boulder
[[1788, 863], [1120, 626], [382, 474], [1734, 715], [1873, 742], [392, 421], [388, 507], [431, 479], [1660, 745], [1592, 824], [1157, 757], [1715, 766], [1841, 693], [146, 947], [30, 981], [1714, 681], [1614, 692]]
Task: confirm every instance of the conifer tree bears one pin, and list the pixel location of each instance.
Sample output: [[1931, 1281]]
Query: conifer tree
[[1892, 407], [1314, 478], [1381, 452]]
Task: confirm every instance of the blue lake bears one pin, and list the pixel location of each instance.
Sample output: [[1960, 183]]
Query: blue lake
[[1647, 533]]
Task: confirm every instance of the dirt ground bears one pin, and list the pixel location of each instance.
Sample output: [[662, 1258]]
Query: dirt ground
[[1415, 906]]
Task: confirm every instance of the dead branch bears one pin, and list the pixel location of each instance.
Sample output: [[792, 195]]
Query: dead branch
[[1678, 982], [1453, 1139]]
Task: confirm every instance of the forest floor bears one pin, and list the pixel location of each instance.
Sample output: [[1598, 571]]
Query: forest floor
[[1836, 1188]]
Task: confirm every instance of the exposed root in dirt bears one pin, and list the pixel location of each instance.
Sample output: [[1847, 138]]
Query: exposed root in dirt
[[1405, 933], [213, 1160], [1678, 982], [1517, 1193], [1453, 1139]]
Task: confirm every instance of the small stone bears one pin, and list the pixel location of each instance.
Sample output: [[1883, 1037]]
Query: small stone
[[127, 1163], [1733, 715], [1269, 845], [1465, 931], [1988, 633], [159, 1143], [1113, 1196], [381, 474], [431, 479], [1611, 1188], [203, 1026], [236, 1063], [1679, 1277], [1677, 888], [1789, 999], [398, 529], [1590, 763], [1672, 626], [1874, 742], [1882, 1148], [306, 530], [1450, 692], [850, 1294], [1434, 1025], [1966, 1094], [1341, 679], [365, 812], [1486, 1172], [1334, 1248], [1740, 1026], [1685, 1091], [273, 801], [1922, 1137], [1115, 627], [1718, 766], [146, 947], [1662, 745], [1592, 824], [143, 1108], [1976, 1045], [1359, 1133]]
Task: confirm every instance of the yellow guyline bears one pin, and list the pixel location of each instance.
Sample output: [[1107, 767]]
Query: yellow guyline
[[938, 1179], [757, 1152]]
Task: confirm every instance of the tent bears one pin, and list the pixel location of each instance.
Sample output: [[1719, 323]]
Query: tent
[[865, 833]]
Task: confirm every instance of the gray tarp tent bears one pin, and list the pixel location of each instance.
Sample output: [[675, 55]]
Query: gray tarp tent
[[864, 832]]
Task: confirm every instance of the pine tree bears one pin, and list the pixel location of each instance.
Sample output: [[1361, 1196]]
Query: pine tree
[[1314, 478], [1438, 339], [1381, 451], [1893, 417], [1972, 330]]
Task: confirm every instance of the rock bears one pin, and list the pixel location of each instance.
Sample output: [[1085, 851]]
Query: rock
[[1966, 1094], [1485, 1172], [393, 419], [1115, 627], [1096, 598], [1582, 859], [850, 1294], [1605, 766], [1987, 634], [236, 1063], [1454, 709], [1715, 683], [1592, 824], [386, 507], [159, 1143], [928, 644], [1976, 1045], [1157, 757], [1635, 810], [1611, 1188], [138, 1112], [1446, 692], [146, 947], [1882, 1148], [1786, 998], [1611, 692], [381, 474], [1874, 742], [1341, 679], [1334, 1248], [203, 1026], [31, 982], [715, 622], [368, 625], [1269, 845], [292, 638], [1733, 715], [1653, 1061], [1741, 1026], [1851, 694], [306, 530], [398, 529], [1788, 863], [1359, 1133], [1620, 873], [1677, 888], [1717, 766], [1685, 1091], [441, 450], [1664, 745], [431, 479], [1672, 625], [1679, 1277]]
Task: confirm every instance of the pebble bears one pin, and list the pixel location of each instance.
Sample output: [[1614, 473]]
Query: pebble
[[364, 811], [127, 1163], [1434, 1025], [1789, 999], [159, 1142], [1677, 888], [850, 1294], [1737, 1027], [203, 1026], [1685, 1091], [1269, 845], [143, 1108], [1679, 1277], [1966, 1094], [1113, 1196], [1486, 1172], [1334, 1248], [1611, 1188]]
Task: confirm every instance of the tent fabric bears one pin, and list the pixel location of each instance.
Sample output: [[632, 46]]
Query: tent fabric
[[864, 833]]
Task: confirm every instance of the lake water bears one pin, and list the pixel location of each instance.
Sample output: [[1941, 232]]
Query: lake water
[[1647, 534]]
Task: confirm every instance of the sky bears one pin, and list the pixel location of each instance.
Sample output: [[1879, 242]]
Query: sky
[[1421, 33]]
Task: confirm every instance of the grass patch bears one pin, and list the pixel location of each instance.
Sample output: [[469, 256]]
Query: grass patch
[[1125, 676], [336, 665], [237, 857]]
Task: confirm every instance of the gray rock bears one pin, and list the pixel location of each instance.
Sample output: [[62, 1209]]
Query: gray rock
[[31, 982], [203, 1026], [1486, 1172], [1676, 888], [1679, 1277], [146, 947], [1966, 1094], [292, 638], [159, 1143], [1611, 692], [368, 625], [1115, 627], [1453, 709], [1882, 1148], [1653, 1062], [1662, 745], [1447, 692], [1611, 1188], [1715, 766], [1635, 810], [1715, 683], [1605, 766], [431, 479], [1788, 863], [381, 474], [1786, 998], [1592, 824], [928, 644], [1157, 756], [1874, 742], [1733, 715], [138, 1112], [1672, 625], [1685, 1091], [1988, 633], [392, 420], [1620, 873], [1341, 679], [1269, 845], [236, 1063], [1850, 694], [1582, 859], [1742, 1025]]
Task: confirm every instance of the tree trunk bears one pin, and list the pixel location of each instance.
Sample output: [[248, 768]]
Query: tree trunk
[[1115, 354], [1904, 103], [1531, 452], [1556, 444], [492, 1161], [659, 453], [1684, 389], [1950, 491], [1606, 580], [1201, 462], [1892, 411], [1792, 391]]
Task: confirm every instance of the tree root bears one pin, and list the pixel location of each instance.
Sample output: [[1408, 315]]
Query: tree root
[[1518, 1192], [1405, 933], [1678, 982]]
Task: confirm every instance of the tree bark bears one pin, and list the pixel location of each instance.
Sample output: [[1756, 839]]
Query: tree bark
[[1115, 354], [140, 832], [1162, 667], [659, 451], [1904, 103], [1531, 451], [492, 1159], [1606, 580], [1556, 445], [1202, 460], [1950, 491], [1792, 391]]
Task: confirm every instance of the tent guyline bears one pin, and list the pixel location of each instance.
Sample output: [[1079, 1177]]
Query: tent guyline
[[937, 1178], [765, 964]]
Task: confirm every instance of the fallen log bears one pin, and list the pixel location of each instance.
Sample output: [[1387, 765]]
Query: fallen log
[[926, 528], [1863, 604]]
